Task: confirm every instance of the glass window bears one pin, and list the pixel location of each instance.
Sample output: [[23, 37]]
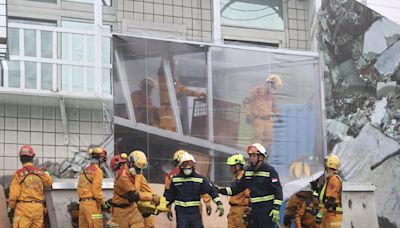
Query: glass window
[[47, 44], [13, 41], [30, 75], [47, 76], [264, 14], [77, 78], [105, 2], [30, 42], [14, 74]]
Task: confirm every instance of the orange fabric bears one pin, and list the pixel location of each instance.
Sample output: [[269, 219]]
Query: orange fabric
[[150, 222], [235, 217], [243, 197], [332, 220], [88, 190], [334, 188], [305, 218], [145, 112], [169, 176], [31, 189], [129, 217], [123, 183], [88, 209], [141, 184]]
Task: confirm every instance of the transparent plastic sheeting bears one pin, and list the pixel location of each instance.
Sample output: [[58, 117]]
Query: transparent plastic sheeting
[[214, 102]]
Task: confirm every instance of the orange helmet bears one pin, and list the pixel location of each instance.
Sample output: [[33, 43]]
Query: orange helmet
[[117, 161], [26, 150]]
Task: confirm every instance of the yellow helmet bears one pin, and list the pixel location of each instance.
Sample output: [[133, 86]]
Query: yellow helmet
[[97, 152], [235, 159], [139, 159], [178, 154], [332, 161], [187, 160], [276, 81], [315, 193]]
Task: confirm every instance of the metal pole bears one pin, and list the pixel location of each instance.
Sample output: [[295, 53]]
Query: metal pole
[[98, 31], [210, 111], [216, 28]]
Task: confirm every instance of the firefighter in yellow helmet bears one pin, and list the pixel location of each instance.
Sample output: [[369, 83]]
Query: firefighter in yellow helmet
[[176, 158], [306, 214], [124, 209], [89, 190], [330, 197], [138, 161], [239, 203], [260, 109], [26, 192]]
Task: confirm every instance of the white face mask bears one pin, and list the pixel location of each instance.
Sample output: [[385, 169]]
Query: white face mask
[[132, 171], [187, 172]]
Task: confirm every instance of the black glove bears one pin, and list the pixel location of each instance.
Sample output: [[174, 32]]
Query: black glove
[[11, 214], [208, 209], [222, 191], [330, 204], [133, 196]]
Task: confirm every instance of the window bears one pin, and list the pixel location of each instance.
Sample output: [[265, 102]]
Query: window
[[264, 14], [105, 2]]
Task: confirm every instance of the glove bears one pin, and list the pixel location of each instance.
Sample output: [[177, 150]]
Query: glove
[[221, 210], [319, 217], [10, 214], [133, 197], [208, 209], [105, 206], [275, 215]]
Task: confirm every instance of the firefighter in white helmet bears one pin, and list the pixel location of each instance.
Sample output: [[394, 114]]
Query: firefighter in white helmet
[[185, 192], [265, 188], [260, 108]]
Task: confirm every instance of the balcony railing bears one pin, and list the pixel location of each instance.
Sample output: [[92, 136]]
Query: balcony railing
[[56, 61]]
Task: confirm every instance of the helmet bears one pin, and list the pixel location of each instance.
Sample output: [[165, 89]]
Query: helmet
[[235, 159], [117, 160], [147, 83], [257, 148], [97, 152], [178, 154], [187, 160], [26, 150], [139, 159], [332, 161], [276, 81]]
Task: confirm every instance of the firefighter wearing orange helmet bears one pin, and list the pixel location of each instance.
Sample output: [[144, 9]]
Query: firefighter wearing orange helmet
[[260, 109], [138, 161], [89, 190], [330, 197], [118, 161], [27, 192]]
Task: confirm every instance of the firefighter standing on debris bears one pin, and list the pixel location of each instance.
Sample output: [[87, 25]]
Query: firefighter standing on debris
[[240, 202], [26, 196], [330, 197], [138, 160], [89, 190], [306, 214], [261, 108], [167, 121], [124, 210], [265, 189], [185, 190], [168, 178]]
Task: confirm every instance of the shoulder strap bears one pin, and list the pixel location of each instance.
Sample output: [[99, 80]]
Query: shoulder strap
[[87, 178], [29, 173]]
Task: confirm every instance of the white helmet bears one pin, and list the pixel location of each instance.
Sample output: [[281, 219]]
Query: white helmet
[[257, 148], [188, 158]]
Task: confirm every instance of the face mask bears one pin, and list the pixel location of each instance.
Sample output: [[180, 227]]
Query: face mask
[[187, 172], [132, 171]]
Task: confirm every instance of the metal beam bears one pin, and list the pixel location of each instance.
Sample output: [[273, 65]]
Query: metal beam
[[172, 95], [210, 110], [98, 55], [216, 28]]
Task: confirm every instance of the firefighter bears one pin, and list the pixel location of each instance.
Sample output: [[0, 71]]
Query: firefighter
[[118, 161], [167, 121], [124, 210], [168, 178], [330, 198], [292, 205], [89, 190], [26, 195], [306, 214], [261, 108], [145, 111], [240, 202], [265, 188], [185, 191], [139, 161]]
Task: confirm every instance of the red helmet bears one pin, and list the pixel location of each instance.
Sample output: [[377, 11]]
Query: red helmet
[[117, 160], [26, 150]]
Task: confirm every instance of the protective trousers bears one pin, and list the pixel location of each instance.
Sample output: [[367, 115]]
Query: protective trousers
[[90, 215], [185, 220], [129, 217], [28, 215], [332, 220], [263, 132], [150, 221], [235, 217], [261, 220]]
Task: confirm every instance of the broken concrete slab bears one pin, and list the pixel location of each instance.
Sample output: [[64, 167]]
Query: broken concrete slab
[[383, 88], [389, 62], [379, 113]]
